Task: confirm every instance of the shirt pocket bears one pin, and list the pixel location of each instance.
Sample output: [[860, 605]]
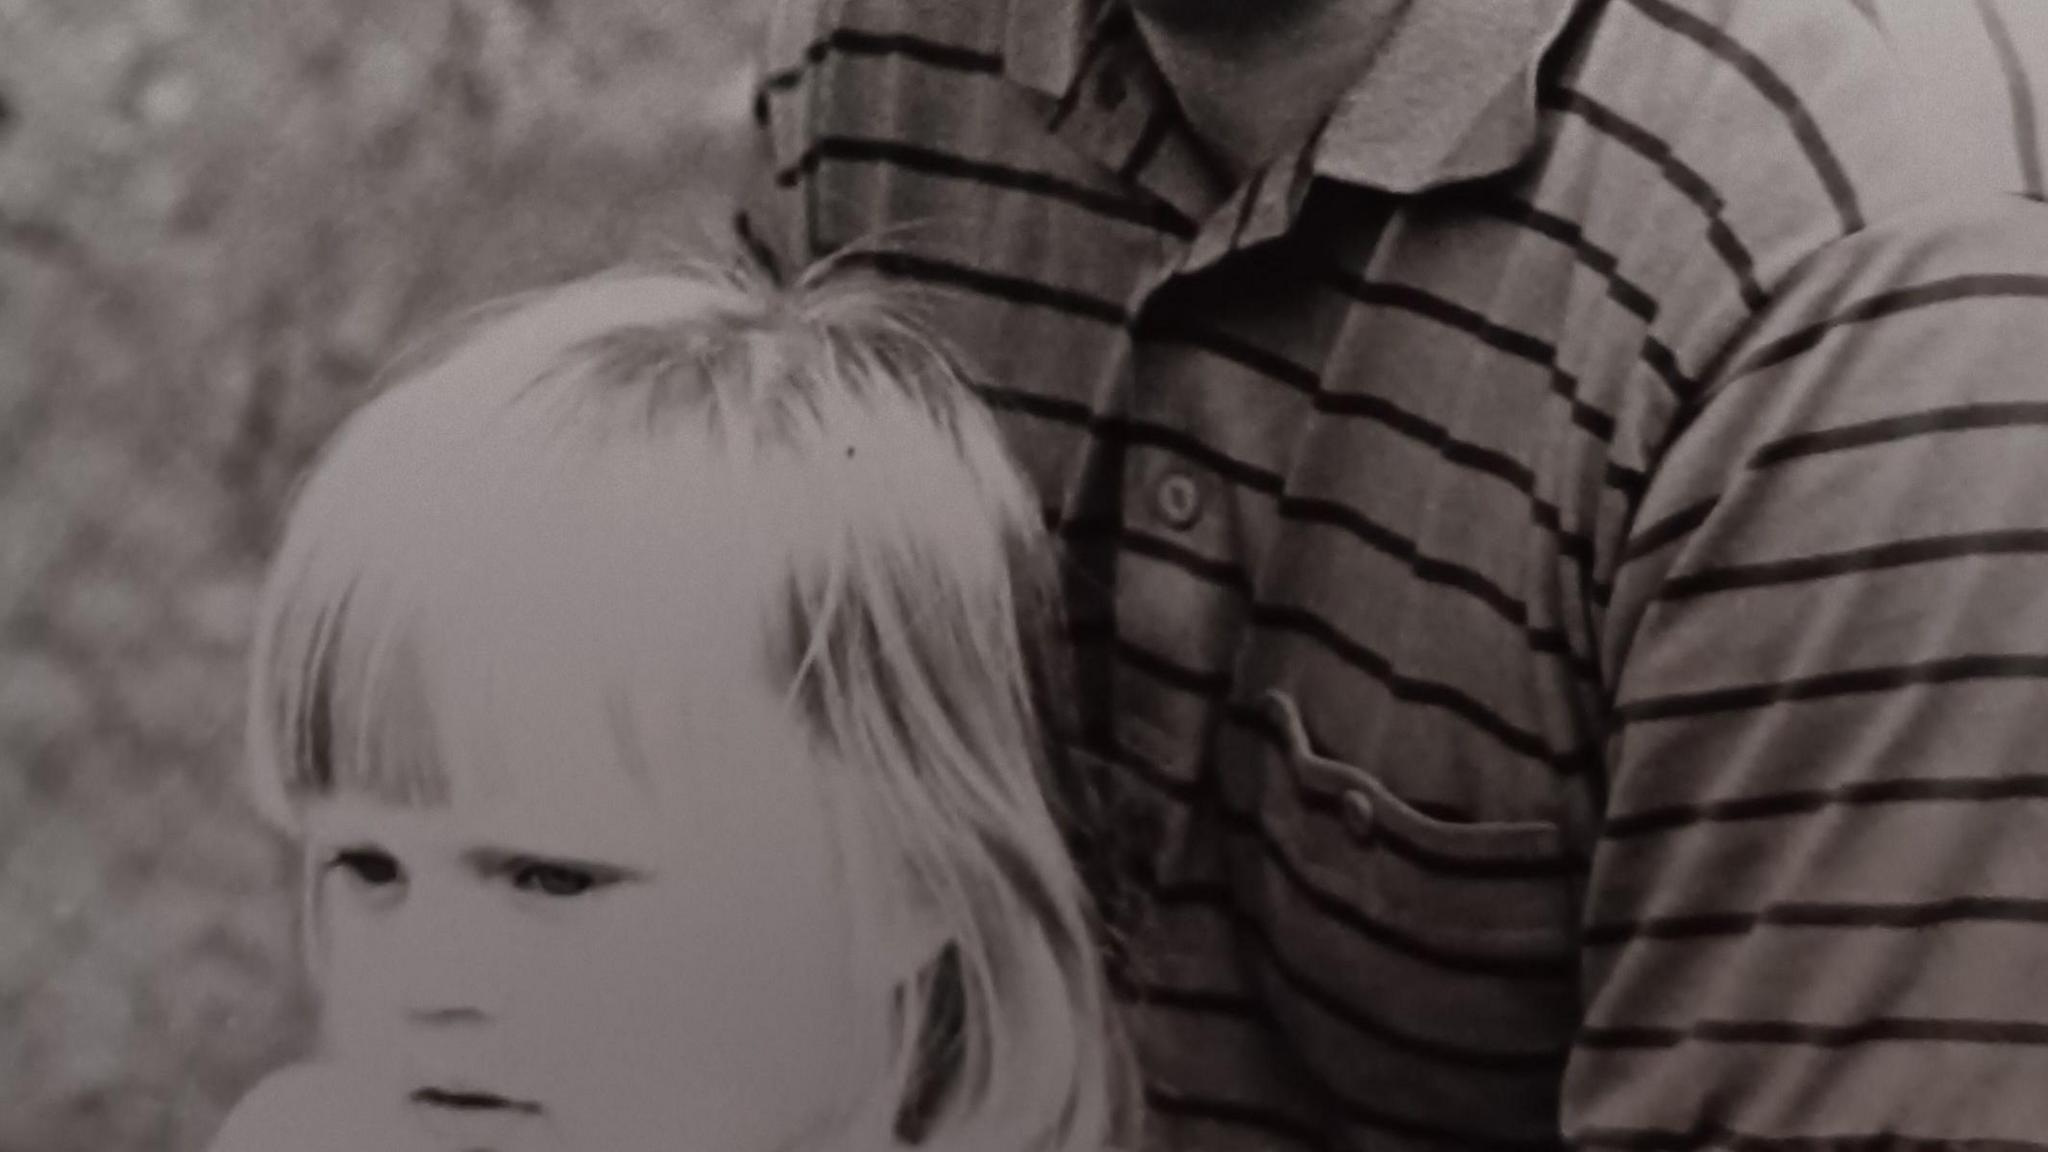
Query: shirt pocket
[[1422, 969]]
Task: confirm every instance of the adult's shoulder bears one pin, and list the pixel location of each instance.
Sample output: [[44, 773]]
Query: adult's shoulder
[[1979, 74], [1800, 118], [1734, 140]]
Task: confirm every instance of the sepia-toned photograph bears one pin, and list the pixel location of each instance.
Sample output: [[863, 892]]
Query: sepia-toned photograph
[[1023, 575]]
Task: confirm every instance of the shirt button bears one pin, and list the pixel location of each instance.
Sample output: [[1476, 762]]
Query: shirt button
[[1358, 816], [1179, 500]]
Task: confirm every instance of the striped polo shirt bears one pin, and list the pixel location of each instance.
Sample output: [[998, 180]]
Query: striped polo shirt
[[1981, 67], [1558, 560]]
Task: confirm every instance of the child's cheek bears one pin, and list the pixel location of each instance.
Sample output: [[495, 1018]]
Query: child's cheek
[[386, 976], [318, 1108], [356, 1020]]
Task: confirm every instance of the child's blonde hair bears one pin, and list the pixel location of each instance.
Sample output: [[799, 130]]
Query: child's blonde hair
[[897, 559]]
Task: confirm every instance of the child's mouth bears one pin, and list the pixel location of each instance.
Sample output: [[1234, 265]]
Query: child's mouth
[[469, 1118], [466, 1101]]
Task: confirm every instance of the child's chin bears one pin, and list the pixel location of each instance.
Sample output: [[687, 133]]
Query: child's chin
[[318, 1108]]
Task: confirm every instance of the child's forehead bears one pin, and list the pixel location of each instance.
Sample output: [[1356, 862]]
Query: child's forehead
[[513, 821], [593, 807], [583, 759]]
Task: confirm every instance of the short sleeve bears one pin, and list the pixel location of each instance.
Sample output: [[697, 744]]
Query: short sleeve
[[1818, 912]]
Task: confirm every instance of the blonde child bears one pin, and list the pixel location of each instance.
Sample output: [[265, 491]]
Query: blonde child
[[649, 674]]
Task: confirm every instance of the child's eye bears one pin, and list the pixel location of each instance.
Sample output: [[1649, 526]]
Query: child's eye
[[369, 867], [554, 879]]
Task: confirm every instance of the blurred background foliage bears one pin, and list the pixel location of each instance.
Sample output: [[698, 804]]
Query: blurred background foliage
[[216, 218]]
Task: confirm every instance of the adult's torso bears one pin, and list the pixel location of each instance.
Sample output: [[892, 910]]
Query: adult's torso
[[1346, 479]]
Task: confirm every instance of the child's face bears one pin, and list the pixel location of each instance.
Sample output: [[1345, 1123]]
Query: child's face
[[585, 960]]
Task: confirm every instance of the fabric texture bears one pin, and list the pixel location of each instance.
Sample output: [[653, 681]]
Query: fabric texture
[[1562, 599]]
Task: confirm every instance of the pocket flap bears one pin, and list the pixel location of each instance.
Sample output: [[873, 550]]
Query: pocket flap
[[1327, 779]]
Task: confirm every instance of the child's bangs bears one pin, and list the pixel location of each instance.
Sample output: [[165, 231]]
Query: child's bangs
[[414, 654], [424, 705], [343, 707], [383, 678]]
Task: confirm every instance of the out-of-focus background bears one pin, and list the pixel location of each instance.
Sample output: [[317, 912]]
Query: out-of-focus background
[[216, 217]]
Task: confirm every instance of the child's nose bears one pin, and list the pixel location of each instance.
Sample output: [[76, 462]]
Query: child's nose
[[443, 1014], [440, 989], [448, 970]]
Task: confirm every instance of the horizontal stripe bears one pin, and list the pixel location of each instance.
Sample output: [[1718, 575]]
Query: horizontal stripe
[[1153, 326], [1857, 561], [1539, 869], [1212, 897], [1629, 481], [1359, 1113], [1869, 433], [1194, 450], [1965, 790], [945, 165], [1440, 574], [1010, 289], [1419, 302], [1267, 1122], [1233, 579], [1210, 685], [1671, 529], [1456, 1057], [1415, 690], [1717, 1136], [1385, 541], [1053, 408], [1459, 1136], [1773, 88], [1956, 670], [1521, 345], [1572, 544], [855, 42], [1589, 255], [1228, 575], [1687, 181], [1182, 792], [1194, 1001], [1955, 289], [1293, 510], [1830, 1036], [1889, 917], [1527, 965]]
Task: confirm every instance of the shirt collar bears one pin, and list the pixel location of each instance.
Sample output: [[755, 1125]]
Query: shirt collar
[[1451, 97], [1043, 41]]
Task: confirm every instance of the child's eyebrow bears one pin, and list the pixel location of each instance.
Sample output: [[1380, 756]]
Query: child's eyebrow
[[493, 858]]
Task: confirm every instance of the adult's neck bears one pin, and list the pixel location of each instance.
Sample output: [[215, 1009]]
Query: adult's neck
[[1255, 76]]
